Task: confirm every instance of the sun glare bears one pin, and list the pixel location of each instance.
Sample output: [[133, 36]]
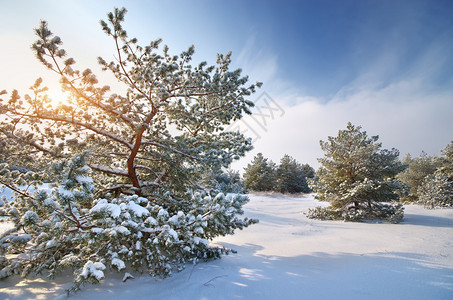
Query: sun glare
[[58, 97]]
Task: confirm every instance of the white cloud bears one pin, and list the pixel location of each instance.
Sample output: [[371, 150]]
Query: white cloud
[[404, 107]]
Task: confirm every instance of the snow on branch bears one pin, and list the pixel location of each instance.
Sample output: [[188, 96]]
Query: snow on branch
[[109, 170], [30, 143]]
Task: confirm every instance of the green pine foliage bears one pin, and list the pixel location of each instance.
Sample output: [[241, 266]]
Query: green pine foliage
[[418, 169], [224, 181], [259, 175], [288, 177], [68, 226], [125, 191], [358, 179], [292, 176], [446, 162], [436, 190]]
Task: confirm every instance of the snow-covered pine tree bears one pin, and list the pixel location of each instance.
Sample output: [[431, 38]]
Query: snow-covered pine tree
[[136, 198], [436, 189], [259, 175], [357, 178], [225, 181], [292, 176]]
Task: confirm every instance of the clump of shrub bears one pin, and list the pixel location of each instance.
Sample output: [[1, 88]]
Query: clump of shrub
[[387, 212]]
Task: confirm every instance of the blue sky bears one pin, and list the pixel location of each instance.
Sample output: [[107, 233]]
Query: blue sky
[[385, 65]]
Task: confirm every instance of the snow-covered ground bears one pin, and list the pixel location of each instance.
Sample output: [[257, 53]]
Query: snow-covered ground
[[287, 256]]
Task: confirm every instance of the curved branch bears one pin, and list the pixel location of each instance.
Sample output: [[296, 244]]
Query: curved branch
[[16, 190], [31, 143]]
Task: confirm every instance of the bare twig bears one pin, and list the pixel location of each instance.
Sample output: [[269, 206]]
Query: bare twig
[[208, 283]]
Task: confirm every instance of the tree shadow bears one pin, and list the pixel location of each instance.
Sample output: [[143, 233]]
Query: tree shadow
[[35, 287], [249, 274], [428, 221]]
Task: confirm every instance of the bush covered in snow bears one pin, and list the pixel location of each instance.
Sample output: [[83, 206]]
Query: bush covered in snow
[[436, 191], [392, 213], [68, 227]]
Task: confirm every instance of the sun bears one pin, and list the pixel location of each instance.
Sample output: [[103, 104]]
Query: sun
[[58, 97]]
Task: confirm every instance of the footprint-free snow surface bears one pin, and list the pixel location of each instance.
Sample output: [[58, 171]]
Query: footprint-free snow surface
[[287, 256]]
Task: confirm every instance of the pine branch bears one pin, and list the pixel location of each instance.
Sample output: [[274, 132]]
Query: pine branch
[[74, 122], [29, 142], [109, 170], [170, 148], [16, 190]]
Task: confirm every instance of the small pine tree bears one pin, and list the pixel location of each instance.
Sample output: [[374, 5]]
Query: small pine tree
[[292, 176], [259, 174], [357, 178]]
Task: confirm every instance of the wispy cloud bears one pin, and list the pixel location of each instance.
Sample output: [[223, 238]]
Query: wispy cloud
[[257, 62]]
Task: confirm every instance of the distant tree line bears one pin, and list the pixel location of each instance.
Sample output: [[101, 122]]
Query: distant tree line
[[289, 176]]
